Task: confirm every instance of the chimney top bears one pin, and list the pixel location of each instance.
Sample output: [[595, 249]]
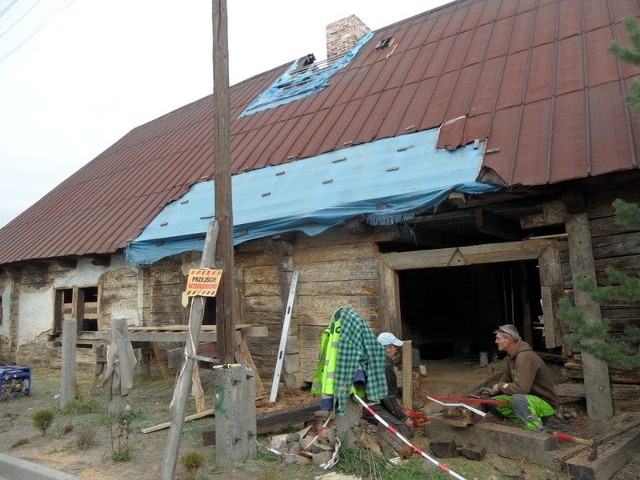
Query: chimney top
[[343, 35]]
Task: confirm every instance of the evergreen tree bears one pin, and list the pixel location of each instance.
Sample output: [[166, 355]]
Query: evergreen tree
[[631, 55]]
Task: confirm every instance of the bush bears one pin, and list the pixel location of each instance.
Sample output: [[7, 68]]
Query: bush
[[86, 437], [42, 420], [192, 462], [122, 453]]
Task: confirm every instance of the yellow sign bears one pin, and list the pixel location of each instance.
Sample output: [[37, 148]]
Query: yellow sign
[[203, 282]]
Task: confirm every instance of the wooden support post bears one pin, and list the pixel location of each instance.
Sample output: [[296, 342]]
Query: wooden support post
[[596, 371], [235, 409], [160, 359], [407, 374], [69, 335], [184, 380], [101, 362]]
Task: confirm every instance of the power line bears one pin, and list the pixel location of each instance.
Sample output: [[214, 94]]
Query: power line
[[21, 17], [38, 28], [8, 7]]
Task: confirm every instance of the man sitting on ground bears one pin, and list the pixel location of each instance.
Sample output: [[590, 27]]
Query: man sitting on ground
[[526, 383]]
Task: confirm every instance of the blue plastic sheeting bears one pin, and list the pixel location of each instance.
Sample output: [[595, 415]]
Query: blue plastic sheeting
[[290, 87], [387, 181]]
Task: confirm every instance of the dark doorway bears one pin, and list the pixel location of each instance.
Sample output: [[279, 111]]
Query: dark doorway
[[453, 311]]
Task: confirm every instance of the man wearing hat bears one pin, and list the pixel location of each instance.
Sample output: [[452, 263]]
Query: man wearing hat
[[389, 408], [526, 383]]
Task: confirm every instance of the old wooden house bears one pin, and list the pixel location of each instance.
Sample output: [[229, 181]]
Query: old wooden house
[[442, 175]]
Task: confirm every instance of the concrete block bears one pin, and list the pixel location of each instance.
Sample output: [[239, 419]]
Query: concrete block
[[293, 380]]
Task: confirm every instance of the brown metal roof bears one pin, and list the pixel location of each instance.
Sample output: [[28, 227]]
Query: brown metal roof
[[534, 78]]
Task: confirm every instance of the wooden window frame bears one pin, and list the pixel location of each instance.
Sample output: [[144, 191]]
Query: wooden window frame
[[545, 251]]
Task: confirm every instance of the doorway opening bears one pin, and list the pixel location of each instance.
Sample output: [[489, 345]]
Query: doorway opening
[[453, 311]]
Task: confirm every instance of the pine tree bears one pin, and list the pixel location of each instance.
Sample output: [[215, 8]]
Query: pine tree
[[630, 55], [618, 349]]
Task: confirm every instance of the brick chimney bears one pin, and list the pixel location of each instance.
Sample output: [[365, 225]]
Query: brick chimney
[[343, 35]]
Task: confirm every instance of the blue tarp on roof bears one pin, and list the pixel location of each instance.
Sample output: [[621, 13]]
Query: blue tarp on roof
[[387, 181]]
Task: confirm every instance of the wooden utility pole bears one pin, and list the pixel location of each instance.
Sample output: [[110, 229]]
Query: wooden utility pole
[[225, 322]]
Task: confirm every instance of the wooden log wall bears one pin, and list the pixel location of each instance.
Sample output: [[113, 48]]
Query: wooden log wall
[[334, 271], [614, 246], [162, 298]]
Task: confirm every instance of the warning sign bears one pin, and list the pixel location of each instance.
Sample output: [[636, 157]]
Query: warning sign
[[203, 282]]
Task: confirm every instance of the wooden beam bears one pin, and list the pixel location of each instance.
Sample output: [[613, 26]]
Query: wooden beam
[[471, 255], [389, 299], [492, 224], [596, 372], [605, 465], [553, 213], [407, 374], [162, 426]]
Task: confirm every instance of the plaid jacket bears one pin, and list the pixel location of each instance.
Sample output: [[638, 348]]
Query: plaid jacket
[[359, 348]]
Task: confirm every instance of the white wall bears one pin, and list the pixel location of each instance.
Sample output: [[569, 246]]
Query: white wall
[[36, 309]]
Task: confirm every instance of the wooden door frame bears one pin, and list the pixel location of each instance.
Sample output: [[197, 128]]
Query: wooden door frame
[[545, 251]]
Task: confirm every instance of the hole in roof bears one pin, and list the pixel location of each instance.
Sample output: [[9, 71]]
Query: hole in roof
[[303, 78], [384, 43]]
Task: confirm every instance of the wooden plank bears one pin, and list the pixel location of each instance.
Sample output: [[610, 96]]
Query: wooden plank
[[182, 328], [162, 426], [597, 384]]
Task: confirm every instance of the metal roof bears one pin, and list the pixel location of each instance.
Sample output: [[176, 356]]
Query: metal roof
[[533, 77]]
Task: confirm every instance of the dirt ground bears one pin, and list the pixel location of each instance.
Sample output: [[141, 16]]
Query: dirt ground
[[149, 400]]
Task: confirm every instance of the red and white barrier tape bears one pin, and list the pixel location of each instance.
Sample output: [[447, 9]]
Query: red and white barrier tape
[[442, 467]]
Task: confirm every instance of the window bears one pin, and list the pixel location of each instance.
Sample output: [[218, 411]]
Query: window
[[80, 304]]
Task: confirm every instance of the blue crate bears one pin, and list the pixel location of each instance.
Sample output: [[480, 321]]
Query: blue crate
[[14, 379]]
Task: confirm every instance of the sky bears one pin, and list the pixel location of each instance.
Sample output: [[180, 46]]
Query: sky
[[78, 75]]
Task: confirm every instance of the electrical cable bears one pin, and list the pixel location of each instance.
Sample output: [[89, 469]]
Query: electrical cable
[[43, 24], [21, 17], [8, 7]]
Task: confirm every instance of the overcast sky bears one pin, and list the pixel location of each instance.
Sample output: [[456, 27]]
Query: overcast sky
[[77, 75]]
